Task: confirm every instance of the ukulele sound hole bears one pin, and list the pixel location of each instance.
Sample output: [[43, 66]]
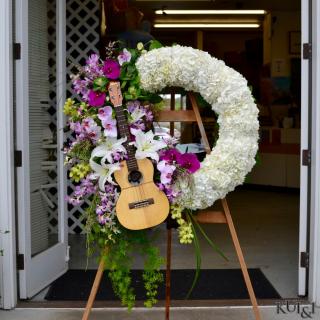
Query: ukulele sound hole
[[135, 177]]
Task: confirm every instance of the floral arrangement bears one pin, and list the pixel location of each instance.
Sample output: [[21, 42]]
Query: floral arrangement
[[95, 152], [226, 90]]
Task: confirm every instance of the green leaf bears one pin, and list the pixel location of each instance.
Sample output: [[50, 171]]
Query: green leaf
[[215, 247], [155, 44], [100, 84]]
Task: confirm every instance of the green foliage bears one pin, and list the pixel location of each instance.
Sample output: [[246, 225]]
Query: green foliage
[[154, 44], [117, 250], [79, 171], [82, 150], [100, 84]]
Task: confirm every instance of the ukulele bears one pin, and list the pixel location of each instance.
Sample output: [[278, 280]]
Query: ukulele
[[141, 204]]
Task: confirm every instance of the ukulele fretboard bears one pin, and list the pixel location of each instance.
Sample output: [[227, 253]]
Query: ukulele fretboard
[[124, 132]]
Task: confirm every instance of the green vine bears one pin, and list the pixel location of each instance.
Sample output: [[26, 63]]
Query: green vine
[[117, 250]]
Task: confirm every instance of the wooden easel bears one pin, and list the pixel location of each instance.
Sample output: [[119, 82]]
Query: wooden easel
[[203, 216], [208, 215]]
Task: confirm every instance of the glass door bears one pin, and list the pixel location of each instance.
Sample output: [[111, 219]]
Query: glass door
[[40, 87]]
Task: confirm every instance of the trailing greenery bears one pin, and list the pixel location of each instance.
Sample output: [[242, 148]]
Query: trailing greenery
[[117, 251]]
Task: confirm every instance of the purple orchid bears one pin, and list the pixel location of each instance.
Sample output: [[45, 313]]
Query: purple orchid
[[124, 56], [171, 155], [93, 67], [111, 69], [90, 130], [105, 113], [110, 127], [96, 98], [189, 161], [85, 188], [166, 171]]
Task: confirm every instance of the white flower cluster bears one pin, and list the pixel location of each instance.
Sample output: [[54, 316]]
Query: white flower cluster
[[227, 91]]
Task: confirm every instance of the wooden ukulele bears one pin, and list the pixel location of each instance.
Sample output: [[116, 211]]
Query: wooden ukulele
[[141, 204]]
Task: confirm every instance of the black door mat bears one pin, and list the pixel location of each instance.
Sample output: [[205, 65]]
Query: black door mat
[[212, 284]]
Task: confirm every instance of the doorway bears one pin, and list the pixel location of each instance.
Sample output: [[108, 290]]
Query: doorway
[[266, 209]]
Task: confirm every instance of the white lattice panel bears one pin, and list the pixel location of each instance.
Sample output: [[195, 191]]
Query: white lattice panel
[[82, 39]]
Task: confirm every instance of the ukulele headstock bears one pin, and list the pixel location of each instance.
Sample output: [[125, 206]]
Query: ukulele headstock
[[115, 93]]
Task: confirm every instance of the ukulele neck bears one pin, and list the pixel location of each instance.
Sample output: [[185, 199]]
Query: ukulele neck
[[125, 133]]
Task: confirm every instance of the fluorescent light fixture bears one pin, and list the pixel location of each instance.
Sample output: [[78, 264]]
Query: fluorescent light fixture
[[206, 25], [210, 11]]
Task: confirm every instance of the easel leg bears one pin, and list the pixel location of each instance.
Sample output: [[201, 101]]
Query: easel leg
[[94, 290], [168, 273], [241, 259]]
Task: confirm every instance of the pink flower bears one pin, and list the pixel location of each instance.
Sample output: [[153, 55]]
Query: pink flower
[[124, 56], [111, 69], [166, 172], [189, 161], [96, 98], [171, 155]]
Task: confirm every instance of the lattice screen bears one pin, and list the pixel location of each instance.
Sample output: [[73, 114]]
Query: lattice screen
[[82, 39]]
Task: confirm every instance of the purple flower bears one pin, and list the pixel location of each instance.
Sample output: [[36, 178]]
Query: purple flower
[[75, 126], [90, 130], [124, 56], [171, 155], [96, 98], [110, 127], [189, 161], [85, 188], [149, 116], [105, 113], [93, 67], [105, 209], [92, 60], [166, 172], [111, 69]]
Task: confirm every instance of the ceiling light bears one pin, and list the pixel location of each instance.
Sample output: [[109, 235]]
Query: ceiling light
[[206, 25], [210, 12]]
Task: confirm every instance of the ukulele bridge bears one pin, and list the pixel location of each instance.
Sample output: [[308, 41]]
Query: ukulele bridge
[[141, 204]]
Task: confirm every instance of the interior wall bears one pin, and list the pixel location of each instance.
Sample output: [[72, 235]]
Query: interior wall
[[217, 43], [283, 22]]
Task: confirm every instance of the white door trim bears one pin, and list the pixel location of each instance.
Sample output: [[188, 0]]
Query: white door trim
[[7, 208], [61, 121], [314, 271], [304, 141]]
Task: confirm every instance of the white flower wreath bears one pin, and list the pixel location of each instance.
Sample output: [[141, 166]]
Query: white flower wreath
[[226, 90]]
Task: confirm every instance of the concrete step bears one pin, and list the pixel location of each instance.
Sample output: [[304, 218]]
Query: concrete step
[[177, 313]]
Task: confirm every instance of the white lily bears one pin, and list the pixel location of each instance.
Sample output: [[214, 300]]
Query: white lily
[[109, 146], [136, 115], [147, 146], [103, 172]]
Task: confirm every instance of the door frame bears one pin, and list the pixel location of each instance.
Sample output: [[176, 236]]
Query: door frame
[[314, 268], [8, 269], [8, 281]]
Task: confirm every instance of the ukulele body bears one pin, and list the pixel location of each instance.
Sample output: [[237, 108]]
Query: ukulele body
[[141, 204]]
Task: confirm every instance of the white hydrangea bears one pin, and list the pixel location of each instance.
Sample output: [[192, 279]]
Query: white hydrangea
[[227, 91]]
